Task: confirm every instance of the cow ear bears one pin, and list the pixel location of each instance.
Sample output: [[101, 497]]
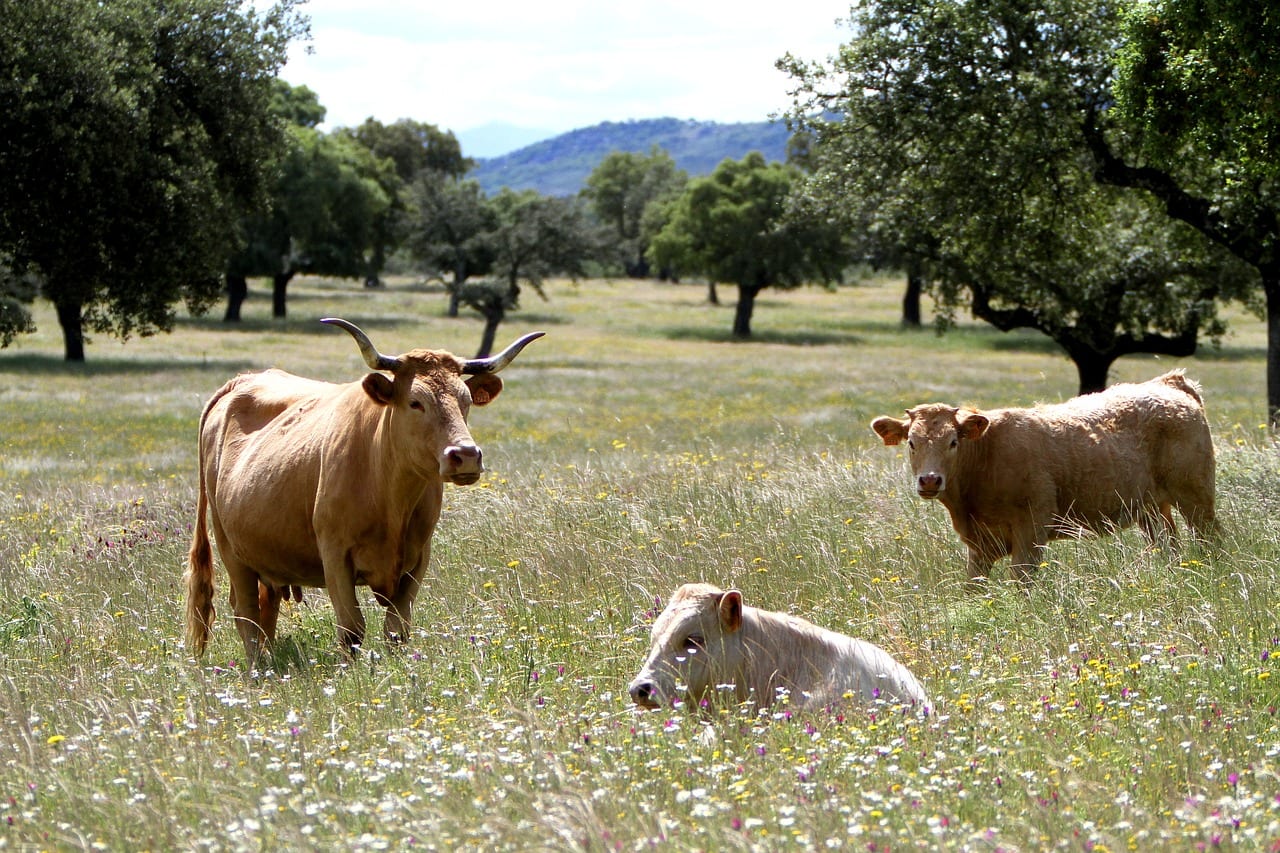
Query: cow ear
[[972, 425], [891, 430], [484, 388], [730, 609], [379, 388]]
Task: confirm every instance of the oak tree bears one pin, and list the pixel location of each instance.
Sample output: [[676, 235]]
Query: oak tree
[[733, 226], [959, 144], [133, 136]]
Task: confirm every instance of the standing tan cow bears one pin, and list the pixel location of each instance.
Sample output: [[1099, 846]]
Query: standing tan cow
[[706, 637], [314, 484], [1013, 479]]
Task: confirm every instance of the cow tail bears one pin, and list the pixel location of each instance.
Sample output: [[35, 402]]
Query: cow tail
[[199, 575], [200, 581]]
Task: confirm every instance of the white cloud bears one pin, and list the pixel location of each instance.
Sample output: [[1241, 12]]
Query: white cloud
[[558, 64]]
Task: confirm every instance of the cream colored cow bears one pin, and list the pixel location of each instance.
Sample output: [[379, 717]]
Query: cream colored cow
[[707, 639]]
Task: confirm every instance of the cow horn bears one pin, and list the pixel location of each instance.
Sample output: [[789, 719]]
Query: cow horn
[[493, 364], [372, 357]]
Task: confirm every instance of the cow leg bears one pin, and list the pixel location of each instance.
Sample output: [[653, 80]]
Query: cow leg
[[269, 599], [340, 583], [1158, 526], [400, 608], [979, 568], [346, 609], [1028, 553], [1029, 541], [1199, 513], [1025, 562], [245, 607]]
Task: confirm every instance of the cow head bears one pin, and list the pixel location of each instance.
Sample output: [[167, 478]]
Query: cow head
[[696, 642], [428, 399], [933, 433]]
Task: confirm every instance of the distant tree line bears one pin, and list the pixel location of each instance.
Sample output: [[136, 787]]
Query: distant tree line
[[1102, 173], [151, 156]]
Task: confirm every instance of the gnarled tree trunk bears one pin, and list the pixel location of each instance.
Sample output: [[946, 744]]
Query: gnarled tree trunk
[[71, 319], [237, 292], [746, 306], [279, 287]]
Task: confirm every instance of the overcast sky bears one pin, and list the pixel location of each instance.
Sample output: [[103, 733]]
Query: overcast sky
[[556, 65]]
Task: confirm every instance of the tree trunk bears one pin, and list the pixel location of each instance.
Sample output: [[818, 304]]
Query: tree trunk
[[1092, 369], [237, 292], [492, 320], [1271, 287], [742, 314], [71, 319], [911, 299], [712, 296], [279, 287], [377, 259], [455, 290]]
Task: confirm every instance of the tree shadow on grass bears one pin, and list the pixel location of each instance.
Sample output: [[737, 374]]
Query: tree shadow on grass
[[1231, 354], [35, 364], [1029, 341], [787, 337], [1044, 345], [517, 323]]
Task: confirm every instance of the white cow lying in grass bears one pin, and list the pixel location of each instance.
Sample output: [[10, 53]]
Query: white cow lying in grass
[[707, 639]]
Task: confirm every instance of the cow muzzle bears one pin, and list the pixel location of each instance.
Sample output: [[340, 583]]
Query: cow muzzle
[[644, 693], [929, 485], [461, 464]]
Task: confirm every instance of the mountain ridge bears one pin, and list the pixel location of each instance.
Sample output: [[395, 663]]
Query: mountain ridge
[[560, 165]]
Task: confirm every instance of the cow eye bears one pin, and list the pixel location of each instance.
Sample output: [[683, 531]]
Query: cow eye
[[694, 642], [911, 442], [955, 442], [417, 404]]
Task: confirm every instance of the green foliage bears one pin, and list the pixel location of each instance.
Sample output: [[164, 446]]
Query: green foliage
[[297, 105], [620, 191], [732, 226], [16, 292], [326, 200], [1203, 77], [133, 136], [449, 225], [413, 146], [1127, 702], [537, 236], [1196, 82], [959, 150]]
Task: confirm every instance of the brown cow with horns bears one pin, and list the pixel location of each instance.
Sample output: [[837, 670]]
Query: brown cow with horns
[[309, 483]]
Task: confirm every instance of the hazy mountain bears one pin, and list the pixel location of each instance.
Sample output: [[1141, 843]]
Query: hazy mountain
[[497, 138], [560, 165]]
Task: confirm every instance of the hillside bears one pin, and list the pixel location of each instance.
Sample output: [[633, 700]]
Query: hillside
[[560, 165]]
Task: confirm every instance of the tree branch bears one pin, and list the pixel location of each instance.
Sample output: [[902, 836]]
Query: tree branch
[[1199, 213]]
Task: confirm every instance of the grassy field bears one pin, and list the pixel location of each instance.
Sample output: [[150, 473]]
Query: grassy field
[[1127, 703]]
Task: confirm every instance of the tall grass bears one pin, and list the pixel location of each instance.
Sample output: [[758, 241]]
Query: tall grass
[[1127, 702]]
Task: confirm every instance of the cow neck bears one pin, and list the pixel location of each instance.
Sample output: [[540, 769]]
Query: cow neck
[[407, 481], [776, 642], [973, 455], [395, 486]]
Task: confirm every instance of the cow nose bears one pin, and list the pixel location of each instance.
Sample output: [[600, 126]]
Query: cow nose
[[461, 464], [463, 459], [642, 694], [930, 483]]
